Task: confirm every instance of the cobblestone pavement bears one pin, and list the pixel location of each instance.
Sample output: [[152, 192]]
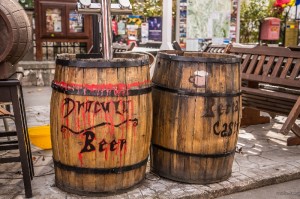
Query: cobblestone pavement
[[263, 159]]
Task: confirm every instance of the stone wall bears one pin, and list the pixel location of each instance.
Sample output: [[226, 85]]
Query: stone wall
[[37, 73]]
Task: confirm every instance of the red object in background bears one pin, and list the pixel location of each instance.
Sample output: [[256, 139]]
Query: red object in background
[[270, 29], [114, 26], [132, 41], [280, 3]]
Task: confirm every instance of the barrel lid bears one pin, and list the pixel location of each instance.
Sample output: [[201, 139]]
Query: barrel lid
[[202, 57], [120, 60]]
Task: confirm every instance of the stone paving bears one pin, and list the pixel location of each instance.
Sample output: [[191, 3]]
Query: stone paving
[[263, 159]]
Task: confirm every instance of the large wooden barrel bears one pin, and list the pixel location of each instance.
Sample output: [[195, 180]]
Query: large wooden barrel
[[196, 116], [15, 31], [101, 122]]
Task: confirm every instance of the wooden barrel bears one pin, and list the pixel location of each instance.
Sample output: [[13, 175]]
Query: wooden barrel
[[15, 32], [101, 122], [196, 116]]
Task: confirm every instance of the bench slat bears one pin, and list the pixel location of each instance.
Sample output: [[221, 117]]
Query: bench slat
[[252, 64], [260, 65], [245, 62], [269, 65], [275, 94], [266, 108], [296, 70], [276, 106], [280, 82], [283, 103], [268, 101], [280, 89], [277, 67], [286, 68], [266, 50], [216, 48]]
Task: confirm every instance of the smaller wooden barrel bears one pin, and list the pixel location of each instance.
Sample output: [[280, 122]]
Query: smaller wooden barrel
[[101, 122], [15, 32], [196, 116]]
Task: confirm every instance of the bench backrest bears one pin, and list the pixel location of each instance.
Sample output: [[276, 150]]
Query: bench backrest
[[271, 65], [216, 48], [121, 48]]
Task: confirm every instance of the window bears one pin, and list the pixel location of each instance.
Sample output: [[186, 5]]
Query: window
[[53, 20], [75, 22]]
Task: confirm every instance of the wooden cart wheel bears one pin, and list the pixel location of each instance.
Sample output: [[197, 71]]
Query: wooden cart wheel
[[15, 32]]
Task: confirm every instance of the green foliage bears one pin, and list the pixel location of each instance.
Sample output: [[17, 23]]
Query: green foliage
[[147, 8], [252, 12]]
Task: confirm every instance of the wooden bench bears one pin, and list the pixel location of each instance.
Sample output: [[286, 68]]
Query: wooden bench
[[217, 48], [271, 83], [117, 48], [210, 48], [121, 48]]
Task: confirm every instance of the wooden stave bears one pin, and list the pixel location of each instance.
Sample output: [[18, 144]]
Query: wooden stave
[[176, 64], [166, 159], [19, 29], [127, 179], [160, 159]]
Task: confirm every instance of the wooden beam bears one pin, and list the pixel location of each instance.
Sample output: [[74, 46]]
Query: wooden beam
[[290, 121]]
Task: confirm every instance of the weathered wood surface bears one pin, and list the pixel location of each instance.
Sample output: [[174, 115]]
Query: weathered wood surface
[[276, 72], [4, 112], [217, 48], [100, 128], [197, 109], [15, 32], [290, 121]]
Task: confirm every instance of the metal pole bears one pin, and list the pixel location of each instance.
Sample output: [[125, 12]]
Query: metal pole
[[106, 30]]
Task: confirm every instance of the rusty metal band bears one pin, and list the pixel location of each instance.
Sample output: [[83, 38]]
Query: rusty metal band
[[84, 170], [175, 57], [217, 155], [189, 93], [100, 93], [102, 63]]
